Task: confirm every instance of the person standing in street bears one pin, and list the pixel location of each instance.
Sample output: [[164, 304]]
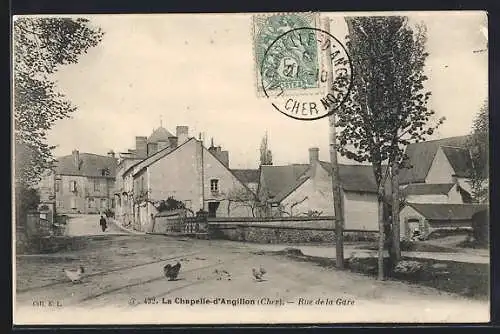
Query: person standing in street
[[103, 223]]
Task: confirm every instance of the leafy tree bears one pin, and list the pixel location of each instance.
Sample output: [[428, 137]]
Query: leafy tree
[[266, 157], [170, 204], [41, 46], [387, 107], [478, 145]]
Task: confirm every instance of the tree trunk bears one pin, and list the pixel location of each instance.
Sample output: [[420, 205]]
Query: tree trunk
[[395, 249], [381, 238]]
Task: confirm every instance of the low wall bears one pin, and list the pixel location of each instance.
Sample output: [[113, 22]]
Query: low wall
[[282, 230]]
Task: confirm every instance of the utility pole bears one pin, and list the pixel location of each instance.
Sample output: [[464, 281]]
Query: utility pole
[[338, 202]]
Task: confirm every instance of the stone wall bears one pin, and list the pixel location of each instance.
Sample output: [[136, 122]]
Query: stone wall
[[282, 230]]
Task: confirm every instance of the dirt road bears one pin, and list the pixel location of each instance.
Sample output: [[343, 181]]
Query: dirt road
[[80, 225], [124, 276]]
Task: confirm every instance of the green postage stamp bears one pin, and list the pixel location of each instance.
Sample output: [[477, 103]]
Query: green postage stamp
[[281, 69]]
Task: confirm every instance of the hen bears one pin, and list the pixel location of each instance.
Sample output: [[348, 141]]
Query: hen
[[171, 272], [74, 275], [258, 274]]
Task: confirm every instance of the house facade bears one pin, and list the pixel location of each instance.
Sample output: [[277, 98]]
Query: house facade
[[436, 184], [81, 183], [189, 172], [298, 190], [442, 161], [424, 218]]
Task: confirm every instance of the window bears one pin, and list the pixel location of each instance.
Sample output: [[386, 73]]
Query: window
[[142, 183], [73, 203], [214, 186], [97, 185], [104, 203], [72, 186], [91, 202], [57, 185]]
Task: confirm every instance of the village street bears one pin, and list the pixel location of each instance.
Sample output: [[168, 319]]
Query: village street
[[81, 225], [125, 272]]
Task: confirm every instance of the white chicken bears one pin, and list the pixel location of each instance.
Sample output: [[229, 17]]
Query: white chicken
[[75, 275]]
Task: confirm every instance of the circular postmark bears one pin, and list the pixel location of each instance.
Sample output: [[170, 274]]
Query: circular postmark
[[304, 60]]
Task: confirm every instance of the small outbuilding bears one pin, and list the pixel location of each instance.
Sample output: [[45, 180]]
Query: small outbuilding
[[421, 219]]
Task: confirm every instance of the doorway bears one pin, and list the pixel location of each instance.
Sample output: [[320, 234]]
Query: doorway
[[212, 209]]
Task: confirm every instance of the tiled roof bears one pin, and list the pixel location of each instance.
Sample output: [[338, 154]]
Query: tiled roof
[[90, 165], [421, 156], [428, 189], [160, 134], [459, 159], [448, 211], [247, 175], [276, 178], [153, 158], [357, 178], [289, 189], [354, 177]]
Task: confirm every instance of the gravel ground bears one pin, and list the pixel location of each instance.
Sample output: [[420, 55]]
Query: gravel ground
[[124, 280]]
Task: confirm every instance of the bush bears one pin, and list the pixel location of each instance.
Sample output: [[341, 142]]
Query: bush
[[170, 204]]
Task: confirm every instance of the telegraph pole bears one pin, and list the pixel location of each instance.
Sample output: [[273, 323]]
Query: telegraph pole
[[338, 202]]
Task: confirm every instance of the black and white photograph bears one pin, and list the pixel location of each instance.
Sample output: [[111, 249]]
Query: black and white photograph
[[250, 168]]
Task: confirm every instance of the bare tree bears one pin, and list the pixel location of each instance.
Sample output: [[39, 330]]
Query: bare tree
[[242, 197]]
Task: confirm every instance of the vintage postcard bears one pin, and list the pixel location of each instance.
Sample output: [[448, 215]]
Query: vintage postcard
[[251, 168]]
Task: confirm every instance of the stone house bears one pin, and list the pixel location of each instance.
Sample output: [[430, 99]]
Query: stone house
[[145, 147], [442, 161], [81, 183], [189, 172], [435, 187], [299, 189]]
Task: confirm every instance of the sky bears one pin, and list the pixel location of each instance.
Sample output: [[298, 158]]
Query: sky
[[198, 70]]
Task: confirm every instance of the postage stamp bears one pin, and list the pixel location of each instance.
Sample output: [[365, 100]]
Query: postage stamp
[[301, 68], [292, 63]]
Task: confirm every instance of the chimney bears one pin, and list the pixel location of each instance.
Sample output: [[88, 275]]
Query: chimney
[[141, 147], [76, 159], [172, 141], [313, 160], [111, 154], [313, 155], [182, 133], [152, 148], [224, 157], [162, 144]]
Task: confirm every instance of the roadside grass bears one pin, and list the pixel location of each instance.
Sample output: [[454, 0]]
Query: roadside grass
[[470, 280], [470, 243], [412, 246]]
